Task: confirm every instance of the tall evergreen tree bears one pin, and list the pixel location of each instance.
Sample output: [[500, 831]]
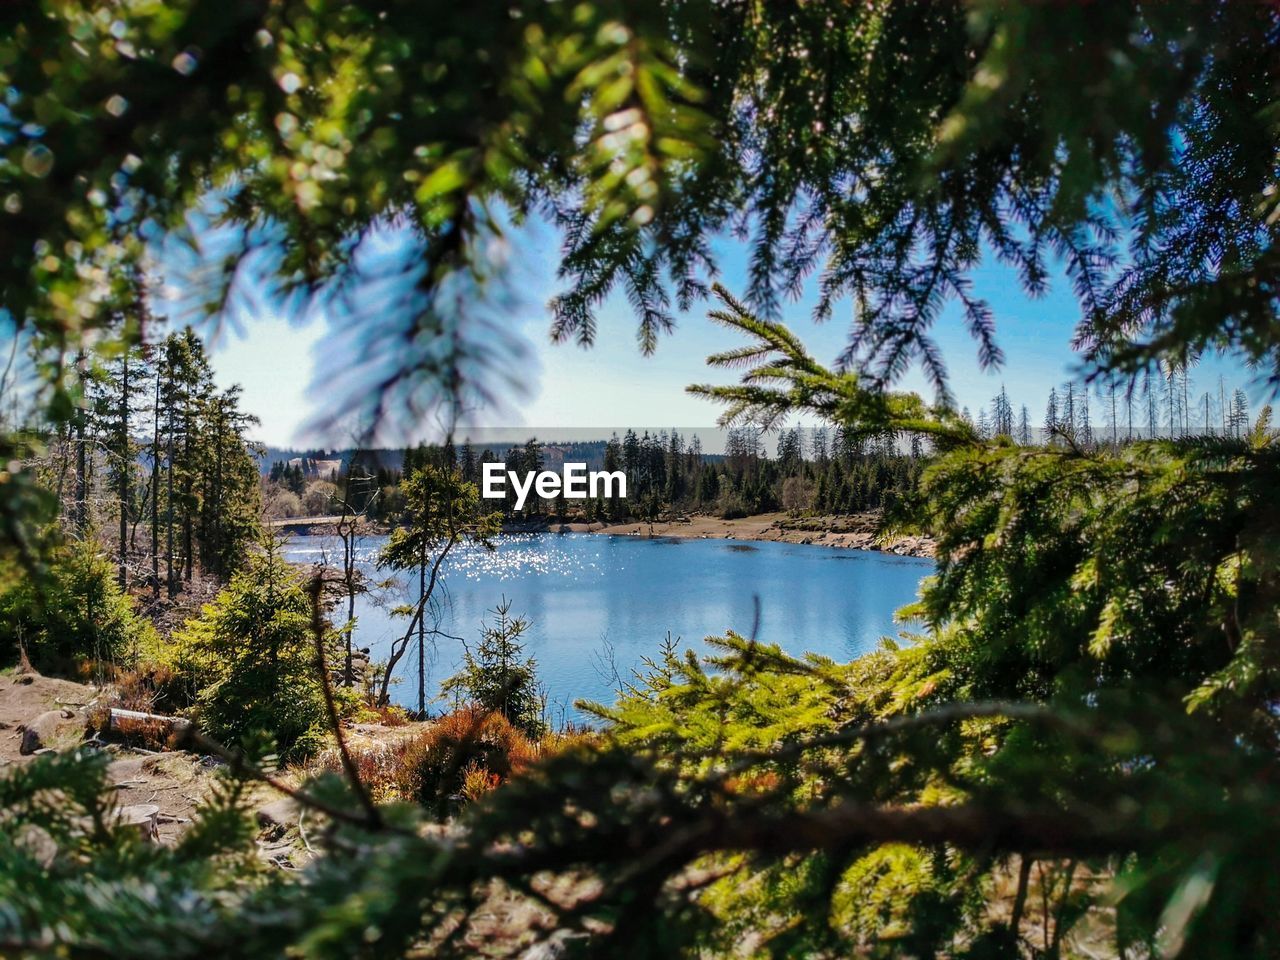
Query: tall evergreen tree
[[119, 392], [1051, 415]]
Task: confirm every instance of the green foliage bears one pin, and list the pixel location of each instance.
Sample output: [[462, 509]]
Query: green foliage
[[1072, 570], [497, 676], [781, 377], [1093, 135], [251, 661], [73, 613], [1133, 592], [882, 839], [675, 703], [69, 874], [441, 511], [26, 507], [206, 484], [711, 716]]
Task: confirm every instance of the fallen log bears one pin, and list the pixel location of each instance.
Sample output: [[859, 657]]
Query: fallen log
[[137, 716]]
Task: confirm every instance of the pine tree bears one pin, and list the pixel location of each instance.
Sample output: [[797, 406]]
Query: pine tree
[[531, 461], [818, 445], [77, 435], [1051, 415], [615, 459], [469, 465], [1084, 426], [1002, 414], [1114, 415], [1172, 396], [229, 484], [497, 676], [115, 393], [252, 655], [1149, 392], [175, 385], [1239, 414]]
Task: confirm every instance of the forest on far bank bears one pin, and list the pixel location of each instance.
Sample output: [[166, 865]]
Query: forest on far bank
[[809, 471]]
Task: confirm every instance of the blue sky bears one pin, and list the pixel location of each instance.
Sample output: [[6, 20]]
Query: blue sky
[[612, 385]]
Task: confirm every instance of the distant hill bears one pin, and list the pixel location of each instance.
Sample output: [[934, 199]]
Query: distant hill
[[321, 463]]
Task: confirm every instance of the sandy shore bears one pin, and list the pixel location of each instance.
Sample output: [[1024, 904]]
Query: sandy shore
[[851, 532]]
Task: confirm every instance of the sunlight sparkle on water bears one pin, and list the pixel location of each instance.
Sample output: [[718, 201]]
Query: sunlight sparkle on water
[[584, 593]]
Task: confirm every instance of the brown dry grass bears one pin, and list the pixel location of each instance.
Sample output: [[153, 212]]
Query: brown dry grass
[[458, 759]]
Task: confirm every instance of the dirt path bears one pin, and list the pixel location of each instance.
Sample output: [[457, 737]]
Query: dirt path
[[176, 781], [23, 697]]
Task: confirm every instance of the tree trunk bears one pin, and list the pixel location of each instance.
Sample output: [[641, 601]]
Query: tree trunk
[[347, 532], [82, 467], [422, 638], [124, 468], [117, 715], [155, 493], [1020, 897], [398, 652], [188, 534], [168, 514], [349, 573]]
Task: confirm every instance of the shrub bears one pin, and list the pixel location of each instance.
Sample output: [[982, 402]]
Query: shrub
[[75, 615], [435, 764], [377, 766], [451, 759], [389, 715], [478, 781], [251, 659], [497, 676], [281, 503], [317, 499]]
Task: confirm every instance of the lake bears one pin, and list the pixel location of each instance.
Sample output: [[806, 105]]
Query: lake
[[585, 594]]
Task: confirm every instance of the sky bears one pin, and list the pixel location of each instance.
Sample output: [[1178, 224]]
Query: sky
[[611, 385]]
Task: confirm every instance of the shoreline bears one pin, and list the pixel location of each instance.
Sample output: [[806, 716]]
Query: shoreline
[[856, 532], [851, 532]]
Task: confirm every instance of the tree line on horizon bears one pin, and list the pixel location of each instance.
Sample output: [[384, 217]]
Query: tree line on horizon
[[665, 473], [810, 470], [1147, 407]]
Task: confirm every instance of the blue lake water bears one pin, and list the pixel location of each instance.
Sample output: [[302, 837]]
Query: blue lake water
[[585, 593]]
